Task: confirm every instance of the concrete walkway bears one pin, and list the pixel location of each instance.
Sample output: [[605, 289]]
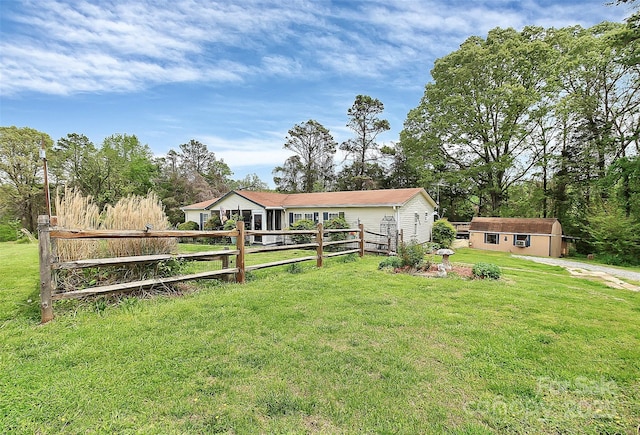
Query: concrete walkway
[[610, 275]]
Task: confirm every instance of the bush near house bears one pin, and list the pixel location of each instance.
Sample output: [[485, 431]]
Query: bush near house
[[231, 223], [335, 224], [214, 223], [302, 224], [411, 254], [188, 226], [443, 233]]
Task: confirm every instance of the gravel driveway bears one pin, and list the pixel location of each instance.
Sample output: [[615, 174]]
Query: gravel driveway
[[625, 274]]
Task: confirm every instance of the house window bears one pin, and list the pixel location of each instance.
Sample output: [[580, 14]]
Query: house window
[[491, 238], [297, 217], [274, 220], [308, 216], [522, 240], [328, 215], [204, 217]]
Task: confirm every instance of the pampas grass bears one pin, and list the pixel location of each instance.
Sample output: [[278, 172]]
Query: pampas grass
[[75, 211], [138, 213]]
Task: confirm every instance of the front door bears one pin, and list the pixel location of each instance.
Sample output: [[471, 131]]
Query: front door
[[257, 225]]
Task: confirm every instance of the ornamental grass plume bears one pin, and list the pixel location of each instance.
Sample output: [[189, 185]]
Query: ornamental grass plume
[[138, 213], [75, 211]]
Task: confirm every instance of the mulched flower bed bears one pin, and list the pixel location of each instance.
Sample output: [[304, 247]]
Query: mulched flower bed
[[456, 270]]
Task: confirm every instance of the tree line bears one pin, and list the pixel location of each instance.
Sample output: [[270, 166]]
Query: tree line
[[119, 167], [541, 122]]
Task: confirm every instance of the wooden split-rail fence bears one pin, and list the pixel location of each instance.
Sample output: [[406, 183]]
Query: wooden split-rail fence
[[49, 263]]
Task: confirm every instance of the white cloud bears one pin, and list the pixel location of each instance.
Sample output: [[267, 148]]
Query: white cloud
[[67, 46], [281, 65], [248, 151]]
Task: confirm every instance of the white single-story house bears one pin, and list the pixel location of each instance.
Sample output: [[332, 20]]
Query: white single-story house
[[380, 211], [527, 236]]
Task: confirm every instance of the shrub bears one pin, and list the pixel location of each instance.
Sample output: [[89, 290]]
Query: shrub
[[486, 270], [9, 230], [443, 233], [392, 262], [230, 224], [338, 223], [188, 226], [213, 223], [615, 237], [411, 254], [303, 224]]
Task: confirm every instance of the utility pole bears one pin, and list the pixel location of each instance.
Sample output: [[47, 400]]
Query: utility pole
[[47, 195]]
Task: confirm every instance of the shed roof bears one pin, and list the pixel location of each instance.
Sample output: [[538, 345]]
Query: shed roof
[[513, 225]]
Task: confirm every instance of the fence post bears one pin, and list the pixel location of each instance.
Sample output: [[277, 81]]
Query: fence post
[[320, 248], [240, 276], [361, 244], [44, 244]]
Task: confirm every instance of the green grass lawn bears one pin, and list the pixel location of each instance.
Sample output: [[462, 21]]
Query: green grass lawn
[[342, 349]]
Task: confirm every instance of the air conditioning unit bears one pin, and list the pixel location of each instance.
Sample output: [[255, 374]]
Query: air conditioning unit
[[521, 243]]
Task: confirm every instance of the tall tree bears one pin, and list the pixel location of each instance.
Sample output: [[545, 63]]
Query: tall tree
[[478, 115], [250, 182], [599, 106], [313, 168], [21, 173], [363, 150], [400, 173], [77, 163], [203, 169], [288, 176], [196, 157], [190, 175], [126, 167]]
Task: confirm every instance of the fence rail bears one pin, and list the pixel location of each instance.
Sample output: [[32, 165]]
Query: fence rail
[[382, 244], [49, 258]]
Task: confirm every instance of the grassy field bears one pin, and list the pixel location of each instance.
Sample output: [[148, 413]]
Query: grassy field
[[342, 349]]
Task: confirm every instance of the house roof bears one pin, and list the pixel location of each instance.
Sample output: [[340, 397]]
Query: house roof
[[361, 198], [203, 205], [513, 225]]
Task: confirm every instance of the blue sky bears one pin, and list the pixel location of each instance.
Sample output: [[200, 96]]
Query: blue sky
[[237, 75]]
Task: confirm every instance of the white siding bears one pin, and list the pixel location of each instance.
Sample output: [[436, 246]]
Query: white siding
[[420, 228], [233, 202], [194, 216], [370, 217]]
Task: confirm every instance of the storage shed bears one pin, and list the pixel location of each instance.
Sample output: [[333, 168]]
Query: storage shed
[[528, 236]]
